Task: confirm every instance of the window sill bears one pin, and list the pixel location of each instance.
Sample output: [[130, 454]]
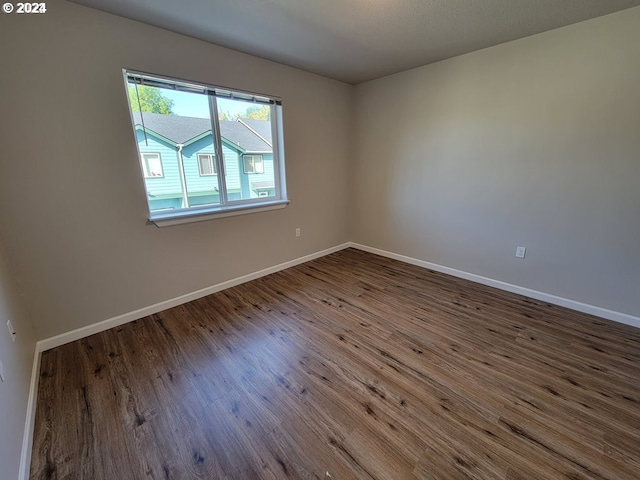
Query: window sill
[[170, 219]]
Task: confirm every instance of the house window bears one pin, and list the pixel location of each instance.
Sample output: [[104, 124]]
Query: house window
[[206, 165], [253, 164], [187, 121], [151, 165]]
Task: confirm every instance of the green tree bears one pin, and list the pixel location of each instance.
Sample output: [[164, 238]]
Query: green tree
[[258, 113], [227, 116], [149, 99]]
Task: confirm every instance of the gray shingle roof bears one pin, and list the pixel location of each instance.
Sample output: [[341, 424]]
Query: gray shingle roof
[[262, 185], [239, 134], [261, 127], [180, 129]]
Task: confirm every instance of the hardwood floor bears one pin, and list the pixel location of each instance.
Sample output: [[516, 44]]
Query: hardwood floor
[[349, 366]]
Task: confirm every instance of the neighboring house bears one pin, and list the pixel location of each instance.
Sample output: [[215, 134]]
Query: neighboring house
[[178, 160]]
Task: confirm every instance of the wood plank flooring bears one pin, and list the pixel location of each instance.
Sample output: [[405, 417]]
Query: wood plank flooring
[[352, 366]]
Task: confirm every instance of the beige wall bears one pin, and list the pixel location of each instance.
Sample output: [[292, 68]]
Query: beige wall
[[534, 142], [71, 199], [17, 358]]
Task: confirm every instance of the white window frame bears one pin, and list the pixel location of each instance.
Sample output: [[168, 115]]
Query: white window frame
[[145, 164], [253, 159], [226, 207], [211, 162]]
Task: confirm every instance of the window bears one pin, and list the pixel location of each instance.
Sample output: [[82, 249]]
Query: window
[[200, 147], [253, 164], [206, 165], [151, 165]]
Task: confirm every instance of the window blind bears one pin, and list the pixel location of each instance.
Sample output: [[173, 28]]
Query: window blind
[[181, 86]]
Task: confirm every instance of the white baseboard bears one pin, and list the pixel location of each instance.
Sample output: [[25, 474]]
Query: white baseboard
[[82, 332], [46, 344], [27, 439], [527, 292]]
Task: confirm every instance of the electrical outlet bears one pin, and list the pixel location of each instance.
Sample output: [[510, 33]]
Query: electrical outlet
[[11, 331], [520, 251], [298, 232], [1, 372]]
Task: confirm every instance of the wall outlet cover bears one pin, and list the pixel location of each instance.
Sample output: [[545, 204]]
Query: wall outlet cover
[[12, 331]]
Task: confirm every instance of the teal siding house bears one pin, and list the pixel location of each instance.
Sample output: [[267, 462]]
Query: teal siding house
[[177, 157]]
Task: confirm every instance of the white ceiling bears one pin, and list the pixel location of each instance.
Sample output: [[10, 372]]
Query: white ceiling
[[359, 40]]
